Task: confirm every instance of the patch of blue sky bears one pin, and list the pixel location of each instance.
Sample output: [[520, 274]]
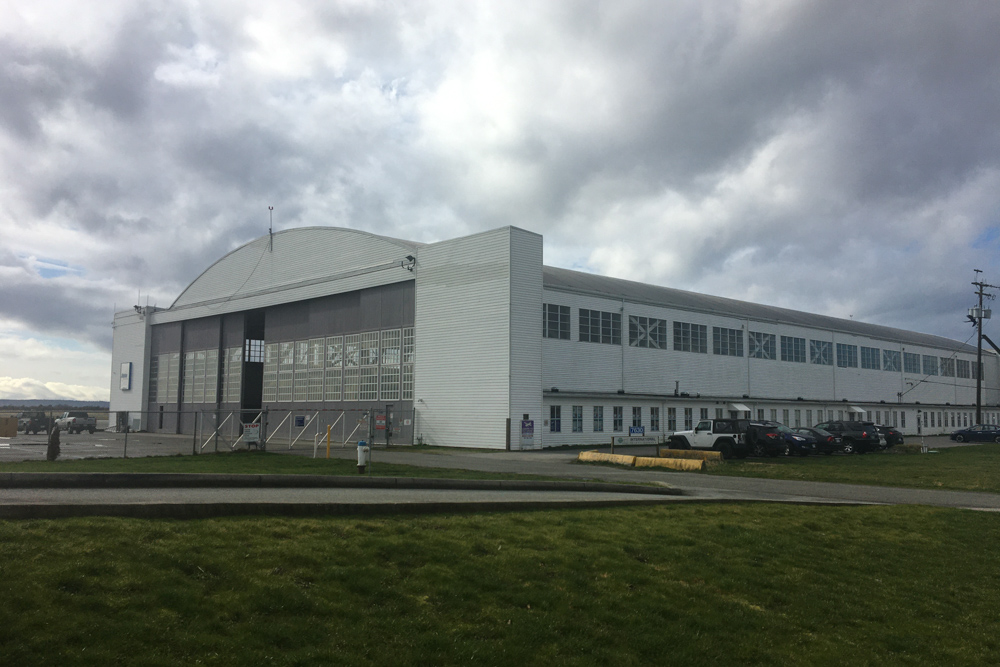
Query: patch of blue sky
[[67, 344], [54, 268], [988, 238]]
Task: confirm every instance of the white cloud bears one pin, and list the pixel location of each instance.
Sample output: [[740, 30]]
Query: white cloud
[[814, 155], [29, 388]]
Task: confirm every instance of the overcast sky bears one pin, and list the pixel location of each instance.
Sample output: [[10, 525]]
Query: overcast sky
[[836, 157]]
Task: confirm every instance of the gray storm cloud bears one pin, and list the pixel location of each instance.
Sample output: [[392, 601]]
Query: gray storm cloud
[[835, 157]]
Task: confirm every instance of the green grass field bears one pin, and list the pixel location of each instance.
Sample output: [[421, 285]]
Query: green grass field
[[672, 585], [972, 468]]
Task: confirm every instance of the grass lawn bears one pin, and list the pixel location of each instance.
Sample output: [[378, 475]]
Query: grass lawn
[[243, 462], [679, 584], [973, 468]]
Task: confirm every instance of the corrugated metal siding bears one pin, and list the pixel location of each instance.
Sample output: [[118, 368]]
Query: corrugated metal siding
[[383, 307], [525, 329], [462, 332], [202, 334], [131, 343], [166, 338]]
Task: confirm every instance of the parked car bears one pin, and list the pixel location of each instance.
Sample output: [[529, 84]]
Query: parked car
[[856, 437], [977, 433], [77, 422], [35, 422], [721, 435], [764, 439], [826, 442], [892, 436]]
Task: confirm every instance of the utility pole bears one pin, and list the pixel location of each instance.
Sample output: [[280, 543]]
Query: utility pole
[[977, 315]]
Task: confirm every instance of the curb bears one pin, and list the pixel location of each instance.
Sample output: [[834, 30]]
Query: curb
[[100, 480], [217, 510]]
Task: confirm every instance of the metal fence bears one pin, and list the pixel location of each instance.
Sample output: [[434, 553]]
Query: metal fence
[[283, 428], [306, 432]]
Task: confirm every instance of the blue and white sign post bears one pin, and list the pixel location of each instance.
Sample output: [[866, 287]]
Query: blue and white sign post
[[527, 434]]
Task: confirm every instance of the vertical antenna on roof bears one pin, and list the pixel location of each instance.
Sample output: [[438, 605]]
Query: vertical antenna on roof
[[270, 225]]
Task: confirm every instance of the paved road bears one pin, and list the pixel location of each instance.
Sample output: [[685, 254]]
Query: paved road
[[549, 463], [561, 464]]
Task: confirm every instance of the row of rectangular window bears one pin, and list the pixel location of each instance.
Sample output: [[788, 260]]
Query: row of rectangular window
[[789, 417], [617, 418], [604, 327]]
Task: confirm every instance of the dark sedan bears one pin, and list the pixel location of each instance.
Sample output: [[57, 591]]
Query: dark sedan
[[826, 442], [796, 443], [977, 433], [893, 436]]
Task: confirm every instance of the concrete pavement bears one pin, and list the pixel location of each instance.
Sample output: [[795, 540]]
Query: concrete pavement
[[29, 494]]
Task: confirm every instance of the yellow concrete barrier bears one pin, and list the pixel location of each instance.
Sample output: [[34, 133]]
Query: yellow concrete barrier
[[690, 454], [673, 464], [620, 459]]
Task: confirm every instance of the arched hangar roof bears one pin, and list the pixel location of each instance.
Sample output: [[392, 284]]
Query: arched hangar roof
[[292, 258]]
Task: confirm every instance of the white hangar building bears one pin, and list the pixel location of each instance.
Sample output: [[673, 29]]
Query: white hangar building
[[473, 335]]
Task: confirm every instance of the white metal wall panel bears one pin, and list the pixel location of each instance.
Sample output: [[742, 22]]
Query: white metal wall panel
[[462, 333], [578, 366], [525, 334], [131, 337]]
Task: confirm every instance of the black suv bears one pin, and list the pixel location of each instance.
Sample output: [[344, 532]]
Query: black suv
[[35, 422], [855, 437], [764, 439]]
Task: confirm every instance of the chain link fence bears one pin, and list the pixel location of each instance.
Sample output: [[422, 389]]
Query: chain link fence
[[186, 432]]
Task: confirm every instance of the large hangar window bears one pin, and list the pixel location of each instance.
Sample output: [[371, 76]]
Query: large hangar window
[[390, 374], [270, 381], [690, 337], [164, 377], [409, 350], [727, 342], [911, 362], [200, 376], [369, 366], [962, 368], [930, 365], [870, 358], [763, 345], [334, 368], [793, 349], [232, 374], [555, 321], [352, 372], [820, 352], [890, 360], [154, 371], [847, 355], [947, 367], [647, 332], [600, 327]]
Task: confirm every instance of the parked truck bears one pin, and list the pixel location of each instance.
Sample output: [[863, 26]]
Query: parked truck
[[77, 422]]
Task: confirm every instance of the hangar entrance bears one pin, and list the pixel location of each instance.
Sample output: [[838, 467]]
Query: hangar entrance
[[252, 391]]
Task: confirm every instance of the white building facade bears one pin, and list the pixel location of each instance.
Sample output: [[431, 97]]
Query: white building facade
[[486, 347]]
